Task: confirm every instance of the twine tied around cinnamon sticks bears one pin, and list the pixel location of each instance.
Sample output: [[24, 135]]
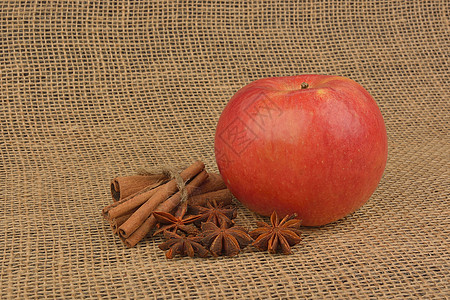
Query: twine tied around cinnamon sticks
[[136, 197]]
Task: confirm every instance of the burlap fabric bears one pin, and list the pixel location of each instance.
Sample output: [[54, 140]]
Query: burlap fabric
[[94, 89]]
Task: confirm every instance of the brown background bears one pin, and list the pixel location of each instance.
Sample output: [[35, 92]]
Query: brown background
[[94, 89]]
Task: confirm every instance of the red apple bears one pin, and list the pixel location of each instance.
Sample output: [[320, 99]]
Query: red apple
[[314, 145]]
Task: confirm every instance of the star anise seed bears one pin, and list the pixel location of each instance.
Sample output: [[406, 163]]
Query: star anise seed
[[216, 213], [182, 245], [280, 236], [177, 221], [223, 240]]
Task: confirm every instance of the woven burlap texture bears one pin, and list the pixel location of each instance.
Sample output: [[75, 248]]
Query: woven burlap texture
[[90, 90]]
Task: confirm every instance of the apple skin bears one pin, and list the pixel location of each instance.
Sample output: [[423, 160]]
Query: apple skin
[[318, 151]]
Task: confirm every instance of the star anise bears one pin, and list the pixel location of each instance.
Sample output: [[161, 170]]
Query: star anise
[[182, 245], [216, 213], [223, 240], [177, 221], [279, 236]]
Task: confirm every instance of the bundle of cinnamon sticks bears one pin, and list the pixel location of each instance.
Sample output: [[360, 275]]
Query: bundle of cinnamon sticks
[[136, 197]]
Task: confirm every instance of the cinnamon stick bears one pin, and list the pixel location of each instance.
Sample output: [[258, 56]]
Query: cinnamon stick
[[132, 203], [116, 222], [223, 196], [138, 194], [146, 209], [124, 186], [119, 184], [165, 206], [213, 183]]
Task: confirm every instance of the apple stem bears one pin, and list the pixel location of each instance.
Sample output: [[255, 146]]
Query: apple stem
[[304, 85]]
